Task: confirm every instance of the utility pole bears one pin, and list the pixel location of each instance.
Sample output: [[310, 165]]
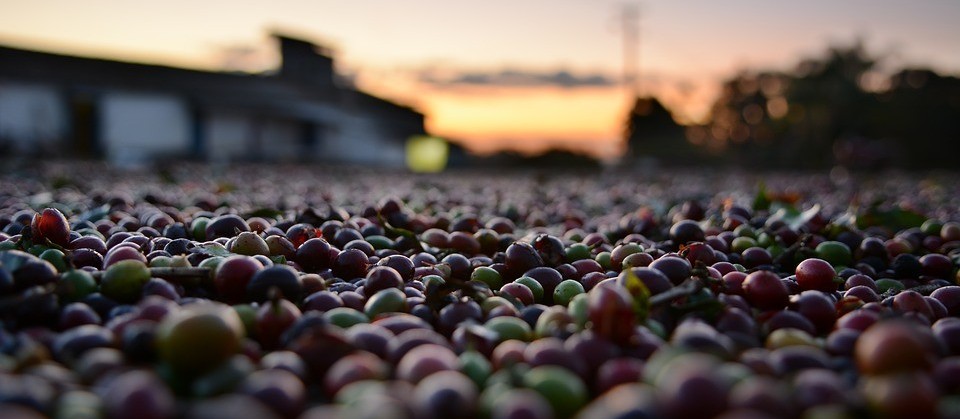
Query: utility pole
[[630, 21]]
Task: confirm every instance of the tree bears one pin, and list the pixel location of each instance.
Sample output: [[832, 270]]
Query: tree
[[794, 119], [818, 115], [651, 132], [920, 115]]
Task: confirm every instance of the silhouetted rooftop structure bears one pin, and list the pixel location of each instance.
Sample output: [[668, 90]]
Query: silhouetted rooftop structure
[[318, 116]]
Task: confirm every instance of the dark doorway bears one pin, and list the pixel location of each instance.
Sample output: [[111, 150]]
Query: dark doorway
[[85, 127], [198, 133], [310, 138]]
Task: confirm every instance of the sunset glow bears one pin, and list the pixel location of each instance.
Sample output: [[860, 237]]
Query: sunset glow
[[452, 60], [564, 117]]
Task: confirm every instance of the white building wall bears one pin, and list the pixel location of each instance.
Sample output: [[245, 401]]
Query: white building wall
[[136, 127], [393, 151], [358, 139], [281, 140], [229, 137], [32, 116], [236, 136]]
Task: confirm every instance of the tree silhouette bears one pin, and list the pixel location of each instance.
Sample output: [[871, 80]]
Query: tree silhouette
[[920, 114], [821, 114], [651, 132]]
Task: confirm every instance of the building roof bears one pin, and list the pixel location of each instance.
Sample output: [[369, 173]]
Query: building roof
[[271, 94]]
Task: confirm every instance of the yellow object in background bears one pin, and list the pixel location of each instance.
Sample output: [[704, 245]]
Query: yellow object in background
[[427, 154]]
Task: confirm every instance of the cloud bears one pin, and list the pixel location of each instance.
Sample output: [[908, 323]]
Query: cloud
[[519, 78]]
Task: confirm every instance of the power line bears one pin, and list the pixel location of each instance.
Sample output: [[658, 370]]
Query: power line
[[630, 27]]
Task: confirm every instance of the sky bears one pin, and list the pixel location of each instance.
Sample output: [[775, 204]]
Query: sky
[[495, 74]]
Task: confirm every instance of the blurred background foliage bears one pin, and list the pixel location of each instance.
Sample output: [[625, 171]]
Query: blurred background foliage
[[834, 110]]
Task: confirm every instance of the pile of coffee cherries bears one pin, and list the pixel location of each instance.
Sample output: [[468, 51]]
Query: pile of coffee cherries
[[268, 292]]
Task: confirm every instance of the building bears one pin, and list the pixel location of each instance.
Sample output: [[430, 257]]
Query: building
[[129, 113]]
